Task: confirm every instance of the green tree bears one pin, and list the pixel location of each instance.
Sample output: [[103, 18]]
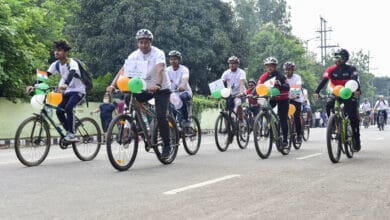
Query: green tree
[[204, 31], [27, 30]]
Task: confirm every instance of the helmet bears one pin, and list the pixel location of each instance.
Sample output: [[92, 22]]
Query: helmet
[[270, 60], [380, 96], [175, 53], [252, 81], [342, 53], [144, 34], [233, 59], [289, 65]]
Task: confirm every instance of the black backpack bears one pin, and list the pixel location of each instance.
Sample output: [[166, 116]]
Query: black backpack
[[86, 77]]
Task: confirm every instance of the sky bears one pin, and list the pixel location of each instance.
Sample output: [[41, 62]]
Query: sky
[[356, 25]]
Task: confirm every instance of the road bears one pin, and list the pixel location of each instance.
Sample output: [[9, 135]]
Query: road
[[235, 184]]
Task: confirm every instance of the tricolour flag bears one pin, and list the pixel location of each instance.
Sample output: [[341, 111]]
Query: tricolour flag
[[42, 75]]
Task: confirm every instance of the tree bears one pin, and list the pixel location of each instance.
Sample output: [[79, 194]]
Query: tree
[[204, 31], [27, 30]]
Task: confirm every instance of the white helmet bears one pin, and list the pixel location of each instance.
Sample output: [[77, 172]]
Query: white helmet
[[144, 34], [270, 60]]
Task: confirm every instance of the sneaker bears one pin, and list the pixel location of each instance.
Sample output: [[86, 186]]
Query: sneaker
[[70, 137], [356, 146], [284, 144]]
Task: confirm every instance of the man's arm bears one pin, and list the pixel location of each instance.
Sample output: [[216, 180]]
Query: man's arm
[[112, 85], [160, 68]]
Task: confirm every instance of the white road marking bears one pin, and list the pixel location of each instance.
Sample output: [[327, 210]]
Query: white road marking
[[175, 191], [309, 156], [380, 138]]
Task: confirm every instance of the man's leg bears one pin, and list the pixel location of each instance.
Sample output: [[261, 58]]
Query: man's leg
[[283, 114], [352, 112], [185, 97], [162, 102], [61, 113], [297, 119]]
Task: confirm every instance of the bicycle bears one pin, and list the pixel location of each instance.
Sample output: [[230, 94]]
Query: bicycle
[[293, 135], [123, 131], [33, 136], [227, 126], [339, 133], [305, 127], [191, 135], [381, 120], [266, 130], [366, 120]]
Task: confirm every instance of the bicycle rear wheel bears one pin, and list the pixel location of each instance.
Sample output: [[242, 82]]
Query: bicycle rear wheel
[[294, 137], [222, 132], [122, 142], [174, 141], [262, 135], [348, 145], [333, 139], [89, 134], [192, 137], [32, 141], [243, 132]]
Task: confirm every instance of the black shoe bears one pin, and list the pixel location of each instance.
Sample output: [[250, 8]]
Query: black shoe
[[284, 144], [299, 139], [356, 146]]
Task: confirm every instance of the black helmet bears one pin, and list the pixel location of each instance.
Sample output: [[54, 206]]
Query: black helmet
[[289, 65], [144, 34], [233, 59], [342, 53], [175, 53]]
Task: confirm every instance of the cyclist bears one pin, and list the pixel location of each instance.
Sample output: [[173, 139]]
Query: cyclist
[[179, 76], [278, 80], [366, 109], [296, 95], [70, 84], [339, 74], [254, 107], [235, 78], [157, 82], [381, 105]]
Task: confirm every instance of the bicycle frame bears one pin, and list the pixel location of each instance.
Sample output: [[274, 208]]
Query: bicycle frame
[[273, 118], [340, 115]]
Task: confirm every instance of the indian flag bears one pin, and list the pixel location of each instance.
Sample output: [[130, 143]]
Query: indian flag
[[42, 76]]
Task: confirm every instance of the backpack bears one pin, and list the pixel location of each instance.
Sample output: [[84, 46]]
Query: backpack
[[86, 77]]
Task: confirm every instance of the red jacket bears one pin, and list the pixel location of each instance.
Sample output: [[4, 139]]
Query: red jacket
[[284, 87]]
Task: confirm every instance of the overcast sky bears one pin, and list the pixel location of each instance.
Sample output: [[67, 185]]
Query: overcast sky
[[355, 25]]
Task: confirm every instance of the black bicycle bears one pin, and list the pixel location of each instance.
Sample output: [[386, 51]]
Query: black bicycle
[[122, 135], [229, 125], [33, 137], [191, 135]]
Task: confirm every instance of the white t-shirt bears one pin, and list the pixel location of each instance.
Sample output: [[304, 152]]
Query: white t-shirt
[[381, 105], [176, 77], [295, 83], [76, 85], [366, 107], [233, 79], [154, 57]]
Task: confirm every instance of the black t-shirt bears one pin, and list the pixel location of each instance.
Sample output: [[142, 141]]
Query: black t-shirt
[[106, 110]]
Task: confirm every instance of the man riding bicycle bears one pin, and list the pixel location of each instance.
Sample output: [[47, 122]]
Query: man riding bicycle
[[70, 84], [235, 78], [381, 106], [157, 81], [279, 81], [296, 95], [339, 74], [179, 76]]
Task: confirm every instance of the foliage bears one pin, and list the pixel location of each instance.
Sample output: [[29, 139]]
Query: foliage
[[27, 30], [204, 31], [201, 103], [100, 84]]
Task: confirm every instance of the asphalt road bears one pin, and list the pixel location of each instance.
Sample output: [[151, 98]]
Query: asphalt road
[[235, 184]]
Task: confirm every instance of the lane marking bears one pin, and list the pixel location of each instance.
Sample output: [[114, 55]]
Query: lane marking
[[380, 138], [197, 185], [309, 156]]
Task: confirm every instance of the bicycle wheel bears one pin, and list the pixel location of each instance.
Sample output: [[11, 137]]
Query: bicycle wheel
[[222, 132], [192, 137], [32, 141], [174, 141], [294, 137], [348, 145], [243, 132], [262, 135], [333, 140], [290, 136], [305, 130], [88, 132], [122, 142]]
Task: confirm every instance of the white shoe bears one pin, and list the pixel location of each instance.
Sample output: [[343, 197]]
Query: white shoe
[[70, 137]]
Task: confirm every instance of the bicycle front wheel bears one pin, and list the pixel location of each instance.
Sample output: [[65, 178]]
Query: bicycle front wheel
[[122, 142], [349, 143], [89, 134], [333, 139], [262, 135], [305, 132], [243, 133], [222, 132], [32, 141], [192, 137], [158, 143]]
